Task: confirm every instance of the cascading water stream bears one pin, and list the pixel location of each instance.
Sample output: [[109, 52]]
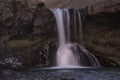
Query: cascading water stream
[[80, 26], [68, 54], [65, 57], [66, 17], [59, 19]]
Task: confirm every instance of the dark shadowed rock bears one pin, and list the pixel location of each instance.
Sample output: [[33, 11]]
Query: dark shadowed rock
[[101, 36]]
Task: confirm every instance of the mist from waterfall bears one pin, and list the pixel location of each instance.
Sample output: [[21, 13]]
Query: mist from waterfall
[[71, 54]]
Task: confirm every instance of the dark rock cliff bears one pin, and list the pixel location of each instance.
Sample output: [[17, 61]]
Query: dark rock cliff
[[28, 32], [23, 30]]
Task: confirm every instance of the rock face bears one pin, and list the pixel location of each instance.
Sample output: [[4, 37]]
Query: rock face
[[104, 6], [28, 34], [15, 15], [69, 3], [101, 36], [94, 6], [21, 46]]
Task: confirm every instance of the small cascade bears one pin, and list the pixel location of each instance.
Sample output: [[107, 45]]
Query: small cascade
[[71, 54], [80, 25]]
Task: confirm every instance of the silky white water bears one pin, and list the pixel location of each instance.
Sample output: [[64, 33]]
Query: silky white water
[[64, 56], [69, 54]]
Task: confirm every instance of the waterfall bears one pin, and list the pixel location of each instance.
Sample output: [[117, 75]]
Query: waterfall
[[59, 19], [66, 17], [80, 26], [71, 54]]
